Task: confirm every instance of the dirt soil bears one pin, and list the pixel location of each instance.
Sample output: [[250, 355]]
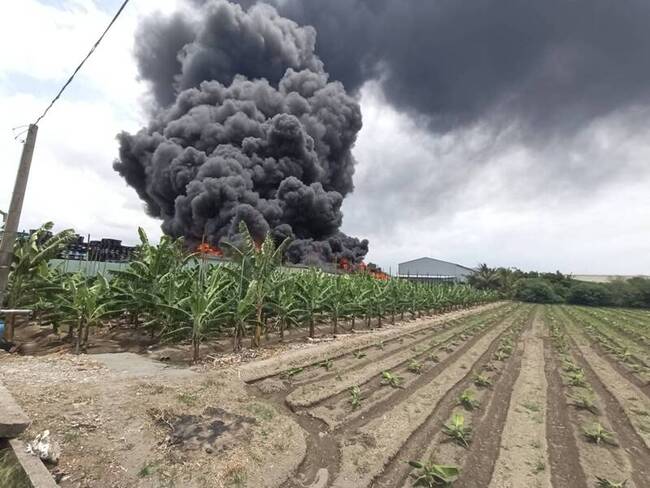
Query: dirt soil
[[318, 414]]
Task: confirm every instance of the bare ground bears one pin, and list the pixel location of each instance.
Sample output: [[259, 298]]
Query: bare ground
[[284, 417]]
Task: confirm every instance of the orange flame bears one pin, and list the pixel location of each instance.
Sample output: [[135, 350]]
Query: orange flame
[[205, 248]]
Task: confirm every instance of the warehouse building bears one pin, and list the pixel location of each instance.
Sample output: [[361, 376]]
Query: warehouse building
[[434, 270]]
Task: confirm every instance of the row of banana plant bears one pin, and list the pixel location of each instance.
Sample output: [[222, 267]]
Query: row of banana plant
[[179, 296]]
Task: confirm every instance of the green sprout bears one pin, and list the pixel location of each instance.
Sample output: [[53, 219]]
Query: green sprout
[[290, 373], [355, 394], [327, 364], [597, 434], [482, 380], [457, 430], [468, 400], [415, 366], [388, 378], [584, 402], [430, 475]]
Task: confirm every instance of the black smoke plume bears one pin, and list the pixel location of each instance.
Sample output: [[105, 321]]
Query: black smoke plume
[[245, 126], [550, 66]]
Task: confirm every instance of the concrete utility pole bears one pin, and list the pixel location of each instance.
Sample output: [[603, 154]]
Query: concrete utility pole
[[15, 208]]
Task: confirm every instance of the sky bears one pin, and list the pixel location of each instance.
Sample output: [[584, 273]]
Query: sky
[[469, 193]]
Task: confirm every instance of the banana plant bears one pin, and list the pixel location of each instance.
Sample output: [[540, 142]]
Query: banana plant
[[312, 293], [29, 266], [256, 265], [85, 303], [205, 309]]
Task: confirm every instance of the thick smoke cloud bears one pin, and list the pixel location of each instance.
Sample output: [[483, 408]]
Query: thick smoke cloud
[[246, 127], [550, 67]]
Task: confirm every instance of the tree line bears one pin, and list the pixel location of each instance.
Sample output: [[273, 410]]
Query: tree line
[[561, 288]]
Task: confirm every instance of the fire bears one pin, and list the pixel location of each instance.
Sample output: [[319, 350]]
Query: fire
[[205, 248], [372, 270]]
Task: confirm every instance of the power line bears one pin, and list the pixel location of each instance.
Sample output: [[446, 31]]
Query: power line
[[92, 50]]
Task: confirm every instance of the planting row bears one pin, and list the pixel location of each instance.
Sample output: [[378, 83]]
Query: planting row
[[181, 297]]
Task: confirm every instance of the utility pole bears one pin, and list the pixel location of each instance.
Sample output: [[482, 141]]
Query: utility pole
[[15, 208]]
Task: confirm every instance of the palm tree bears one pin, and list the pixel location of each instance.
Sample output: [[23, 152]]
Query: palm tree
[[485, 278]]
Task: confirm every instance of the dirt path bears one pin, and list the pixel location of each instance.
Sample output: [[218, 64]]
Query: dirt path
[[523, 457]]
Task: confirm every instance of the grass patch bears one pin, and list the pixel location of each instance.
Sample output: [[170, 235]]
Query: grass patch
[[532, 406], [188, 399], [261, 411], [147, 469]]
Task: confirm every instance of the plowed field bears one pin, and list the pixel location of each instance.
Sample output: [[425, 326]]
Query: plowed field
[[512, 395]]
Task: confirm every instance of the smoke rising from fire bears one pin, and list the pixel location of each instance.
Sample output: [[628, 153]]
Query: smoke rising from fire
[[245, 126]]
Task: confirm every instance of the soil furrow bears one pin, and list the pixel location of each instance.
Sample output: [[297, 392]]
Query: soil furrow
[[314, 393], [623, 398], [598, 453], [642, 385], [430, 440], [383, 397], [563, 451], [259, 370], [523, 455], [386, 349], [366, 452]]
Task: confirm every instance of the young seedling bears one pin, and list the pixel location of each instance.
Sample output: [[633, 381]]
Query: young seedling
[[597, 434], [577, 378], [433, 357], [500, 355], [327, 364], [431, 475], [605, 483], [290, 373], [468, 401], [482, 380], [355, 394], [359, 354], [457, 430], [585, 402], [388, 378], [571, 367], [415, 366]]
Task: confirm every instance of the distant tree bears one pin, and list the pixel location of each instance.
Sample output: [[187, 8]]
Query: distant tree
[[536, 290], [485, 278], [592, 294]]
